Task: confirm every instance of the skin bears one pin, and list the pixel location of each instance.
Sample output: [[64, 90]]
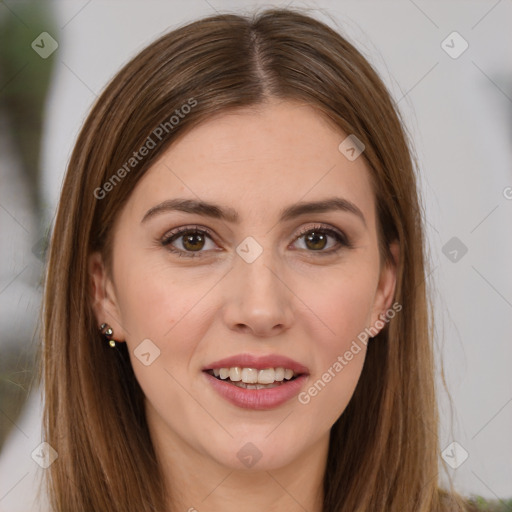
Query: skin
[[291, 301]]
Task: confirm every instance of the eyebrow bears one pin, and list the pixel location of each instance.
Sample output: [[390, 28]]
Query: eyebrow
[[231, 215]]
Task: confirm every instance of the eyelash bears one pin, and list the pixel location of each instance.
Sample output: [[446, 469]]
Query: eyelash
[[173, 235]]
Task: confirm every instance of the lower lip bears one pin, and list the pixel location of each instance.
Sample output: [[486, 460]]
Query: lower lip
[[259, 399]]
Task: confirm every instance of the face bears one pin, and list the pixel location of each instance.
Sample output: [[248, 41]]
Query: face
[[246, 282]]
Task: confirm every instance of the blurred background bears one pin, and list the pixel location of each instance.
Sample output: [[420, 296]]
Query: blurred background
[[448, 66]]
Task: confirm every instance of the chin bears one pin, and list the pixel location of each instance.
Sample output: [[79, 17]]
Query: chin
[[256, 453]]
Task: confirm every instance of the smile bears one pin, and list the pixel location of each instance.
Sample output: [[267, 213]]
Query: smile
[[256, 381], [252, 378]]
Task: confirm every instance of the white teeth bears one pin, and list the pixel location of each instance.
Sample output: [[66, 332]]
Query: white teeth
[[235, 374], [279, 374], [266, 376], [250, 375], [254, 376]]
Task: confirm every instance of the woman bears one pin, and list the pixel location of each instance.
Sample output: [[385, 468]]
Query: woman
[[235, 311]]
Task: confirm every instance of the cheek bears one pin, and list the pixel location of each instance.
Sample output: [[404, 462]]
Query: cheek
[[343, 303], [165, 307], [156, 301], [327, 394]]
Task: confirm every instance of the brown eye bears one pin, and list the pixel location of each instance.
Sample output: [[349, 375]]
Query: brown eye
[[187, 241], [193, 242], [316, 239]]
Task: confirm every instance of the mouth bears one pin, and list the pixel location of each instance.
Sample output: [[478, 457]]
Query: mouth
[[258, 382], [252, 378]]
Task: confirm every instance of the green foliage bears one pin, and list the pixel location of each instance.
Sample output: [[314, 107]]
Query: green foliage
[[491, 505], [25, 78]]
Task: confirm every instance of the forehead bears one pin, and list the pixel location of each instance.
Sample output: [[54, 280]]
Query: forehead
[[258, 160]]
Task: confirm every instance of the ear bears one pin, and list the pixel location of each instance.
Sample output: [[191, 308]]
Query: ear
[[386, 287], [103, 298]]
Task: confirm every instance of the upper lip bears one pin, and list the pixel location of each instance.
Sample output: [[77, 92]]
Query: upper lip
[[258, 362]]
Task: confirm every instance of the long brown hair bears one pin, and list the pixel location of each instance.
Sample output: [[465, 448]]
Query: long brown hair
[[383, 453]]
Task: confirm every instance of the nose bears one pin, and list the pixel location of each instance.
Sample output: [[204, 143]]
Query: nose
[[258, 300]]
